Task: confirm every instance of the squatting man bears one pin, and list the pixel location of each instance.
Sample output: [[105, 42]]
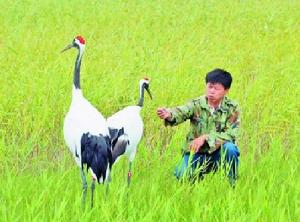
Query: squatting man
[[214, 126]]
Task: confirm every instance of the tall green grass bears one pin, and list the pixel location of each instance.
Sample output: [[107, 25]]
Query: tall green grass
[[176, 44]]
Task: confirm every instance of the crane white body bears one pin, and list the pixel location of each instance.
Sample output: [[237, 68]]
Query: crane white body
[[82, 118], [131, 121], [86, 131], [129, 118]]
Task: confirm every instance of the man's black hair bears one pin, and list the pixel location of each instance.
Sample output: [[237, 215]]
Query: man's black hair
[[219, 76]]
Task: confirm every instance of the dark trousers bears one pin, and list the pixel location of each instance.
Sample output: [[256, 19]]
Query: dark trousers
[[202, 163]]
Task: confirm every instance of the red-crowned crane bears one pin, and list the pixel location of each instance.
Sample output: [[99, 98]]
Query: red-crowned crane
[[86, 131], [130, 119]]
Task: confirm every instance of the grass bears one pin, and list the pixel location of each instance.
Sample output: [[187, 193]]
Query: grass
[[175, 44]]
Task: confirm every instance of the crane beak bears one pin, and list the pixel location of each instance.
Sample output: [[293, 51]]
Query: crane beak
[[67, 48], [149, 92]]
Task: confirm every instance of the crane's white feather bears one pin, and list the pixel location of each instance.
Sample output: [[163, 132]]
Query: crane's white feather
[[130, 119], [82, 118]]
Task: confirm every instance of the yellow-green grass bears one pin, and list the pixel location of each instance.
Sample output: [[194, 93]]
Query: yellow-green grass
[[174, 43]]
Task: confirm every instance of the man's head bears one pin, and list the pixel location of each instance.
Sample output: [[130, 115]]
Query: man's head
[[218, 83]]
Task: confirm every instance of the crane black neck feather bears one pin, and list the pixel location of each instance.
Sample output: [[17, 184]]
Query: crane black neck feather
[[76, 79], [141, 100]]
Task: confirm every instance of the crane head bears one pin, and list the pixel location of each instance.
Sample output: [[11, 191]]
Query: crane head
[[144, 83], [78, 42]]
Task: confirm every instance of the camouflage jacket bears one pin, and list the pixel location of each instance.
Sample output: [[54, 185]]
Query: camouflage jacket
[[220, 125]]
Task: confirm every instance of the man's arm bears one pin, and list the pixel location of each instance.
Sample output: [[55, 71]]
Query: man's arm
[[176, 115], [216, 139]]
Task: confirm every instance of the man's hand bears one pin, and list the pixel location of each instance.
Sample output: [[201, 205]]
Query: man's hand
[[198, 143], [163, 113]]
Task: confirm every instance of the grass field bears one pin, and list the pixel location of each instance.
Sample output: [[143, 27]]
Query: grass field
[[175, 43]]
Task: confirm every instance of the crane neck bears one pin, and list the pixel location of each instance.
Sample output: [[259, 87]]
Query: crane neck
[[76, 79], [141, 99]]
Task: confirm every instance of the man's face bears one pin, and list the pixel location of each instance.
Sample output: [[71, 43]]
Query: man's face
[[215, 92]]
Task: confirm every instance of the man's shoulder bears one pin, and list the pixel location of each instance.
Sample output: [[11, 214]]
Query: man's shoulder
[[199, 101], [230, 103]]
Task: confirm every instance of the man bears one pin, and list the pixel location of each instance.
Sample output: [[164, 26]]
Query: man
[[214, 125]]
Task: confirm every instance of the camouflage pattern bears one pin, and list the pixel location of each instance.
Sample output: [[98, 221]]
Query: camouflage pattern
[[220, 125]]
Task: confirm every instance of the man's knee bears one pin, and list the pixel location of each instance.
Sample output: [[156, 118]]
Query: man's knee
[[231, 150], [182, 167]]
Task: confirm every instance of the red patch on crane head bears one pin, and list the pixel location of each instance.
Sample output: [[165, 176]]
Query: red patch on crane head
[[147, 78], [80, 39]]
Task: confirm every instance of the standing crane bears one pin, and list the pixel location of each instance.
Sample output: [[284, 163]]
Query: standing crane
[[130, 119], [86, 131]]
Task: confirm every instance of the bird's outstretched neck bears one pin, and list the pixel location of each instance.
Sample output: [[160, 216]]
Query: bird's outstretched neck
[[76, 79], [141, 99]]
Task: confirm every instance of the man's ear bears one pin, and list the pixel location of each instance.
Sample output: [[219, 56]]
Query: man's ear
[[226, 91]]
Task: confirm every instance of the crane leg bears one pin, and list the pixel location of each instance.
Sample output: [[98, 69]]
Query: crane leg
[[107, 184], [129, 174], [93, 189], [84, 186]]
